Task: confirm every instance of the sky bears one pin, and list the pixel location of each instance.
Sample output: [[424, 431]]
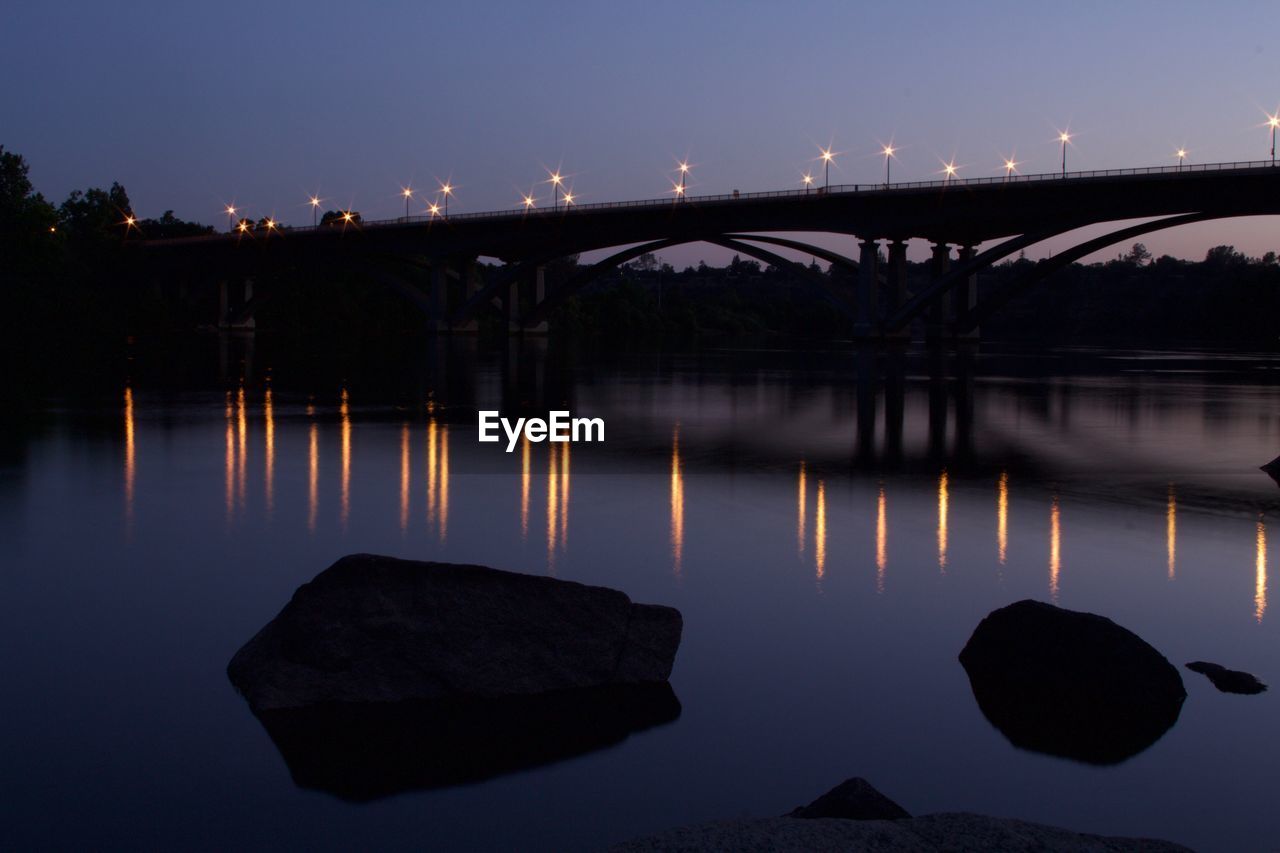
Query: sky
[[194, 106]]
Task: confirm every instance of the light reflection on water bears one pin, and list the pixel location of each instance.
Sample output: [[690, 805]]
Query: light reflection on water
[[771, 530]]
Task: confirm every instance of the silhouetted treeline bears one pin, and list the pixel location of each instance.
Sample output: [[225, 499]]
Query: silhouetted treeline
[[68, 296]]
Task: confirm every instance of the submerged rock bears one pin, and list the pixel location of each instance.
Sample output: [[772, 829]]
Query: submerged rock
[[1071, 684], [951, 832], [1228, 680], [377, 629], [852, 799], [361, 752]]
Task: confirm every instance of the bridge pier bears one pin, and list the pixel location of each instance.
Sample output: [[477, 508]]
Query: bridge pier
[[966, 296], [228, 307], [868, 315], [897, 281], [537, 291], [939, 309], [439, 297]]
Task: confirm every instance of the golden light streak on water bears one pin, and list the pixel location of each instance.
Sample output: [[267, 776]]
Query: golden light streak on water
[[344, 412], [432, 459], [882, 539], [313, 477], [564, 496], [1055, 548], [553, 494], [444, 483], [130, 458], [1002, 517], [230, 462], [242, 438], [1260, 572], [269, 441], [800, 520], [404, 478], [820, 531], [525, 482], [944, 501], [1171, 530], [677, 506]]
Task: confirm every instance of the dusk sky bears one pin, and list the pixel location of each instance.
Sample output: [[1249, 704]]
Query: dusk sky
[[192, 107]]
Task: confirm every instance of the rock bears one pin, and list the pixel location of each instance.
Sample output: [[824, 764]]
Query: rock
[[361, 752], [377, 629], [1272, 469], [852, 799], [1070, 684], [953, 832], [1228, 680]]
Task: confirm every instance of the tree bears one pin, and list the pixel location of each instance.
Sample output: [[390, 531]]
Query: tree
[[1224, 256], [341, 217], [648, 262], [1138, 255], [28, 223]]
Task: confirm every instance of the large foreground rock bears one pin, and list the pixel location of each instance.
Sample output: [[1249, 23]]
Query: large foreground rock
[[954, 833], [377, 629], [1071, 684], [361, 752]]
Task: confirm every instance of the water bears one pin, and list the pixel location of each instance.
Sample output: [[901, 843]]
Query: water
[[829, 570]]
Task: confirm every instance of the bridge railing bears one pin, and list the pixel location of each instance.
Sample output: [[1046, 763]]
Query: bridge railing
[[837, 189]]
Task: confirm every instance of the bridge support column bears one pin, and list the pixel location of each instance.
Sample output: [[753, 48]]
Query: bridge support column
[[966, 295], [538, 290], [868, 314], [897, 281], [940, 308], [470, 286], [509, 300], [439, 296], [223, 305]]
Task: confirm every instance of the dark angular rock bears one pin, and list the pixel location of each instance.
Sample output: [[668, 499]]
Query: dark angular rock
[[361, 752], [1071, 684], [852, 799], [377, 629], [1228, 680]]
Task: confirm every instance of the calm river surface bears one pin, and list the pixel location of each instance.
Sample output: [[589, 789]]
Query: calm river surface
[[831, 552]]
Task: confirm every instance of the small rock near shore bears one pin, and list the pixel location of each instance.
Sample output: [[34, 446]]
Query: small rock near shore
[[1228, 680], [852, 799]]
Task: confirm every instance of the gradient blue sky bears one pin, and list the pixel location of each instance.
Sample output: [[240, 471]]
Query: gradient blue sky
[[191, 106]]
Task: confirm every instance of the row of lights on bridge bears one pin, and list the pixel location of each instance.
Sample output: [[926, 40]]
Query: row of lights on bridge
[[563, 194]]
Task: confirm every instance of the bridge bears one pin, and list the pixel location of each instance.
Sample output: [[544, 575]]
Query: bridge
[[431, 260]]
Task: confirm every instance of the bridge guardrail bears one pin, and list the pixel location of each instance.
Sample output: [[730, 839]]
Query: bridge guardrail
[[838, 189]]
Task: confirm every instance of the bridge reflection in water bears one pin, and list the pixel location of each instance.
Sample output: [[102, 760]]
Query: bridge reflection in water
[[293, 436]]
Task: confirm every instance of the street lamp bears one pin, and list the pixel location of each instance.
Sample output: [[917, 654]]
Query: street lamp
[[1010, 166], [827, 156], [1273, 122], [807, 180], [447, 191], [231, 212], [1064, 137], [555, 180], [407, 192], [527, 201], [887, 151], [678, 189], [314, 201], [1182, 155], [433, 209], [568, 199], [684, 174], [949, 170]]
